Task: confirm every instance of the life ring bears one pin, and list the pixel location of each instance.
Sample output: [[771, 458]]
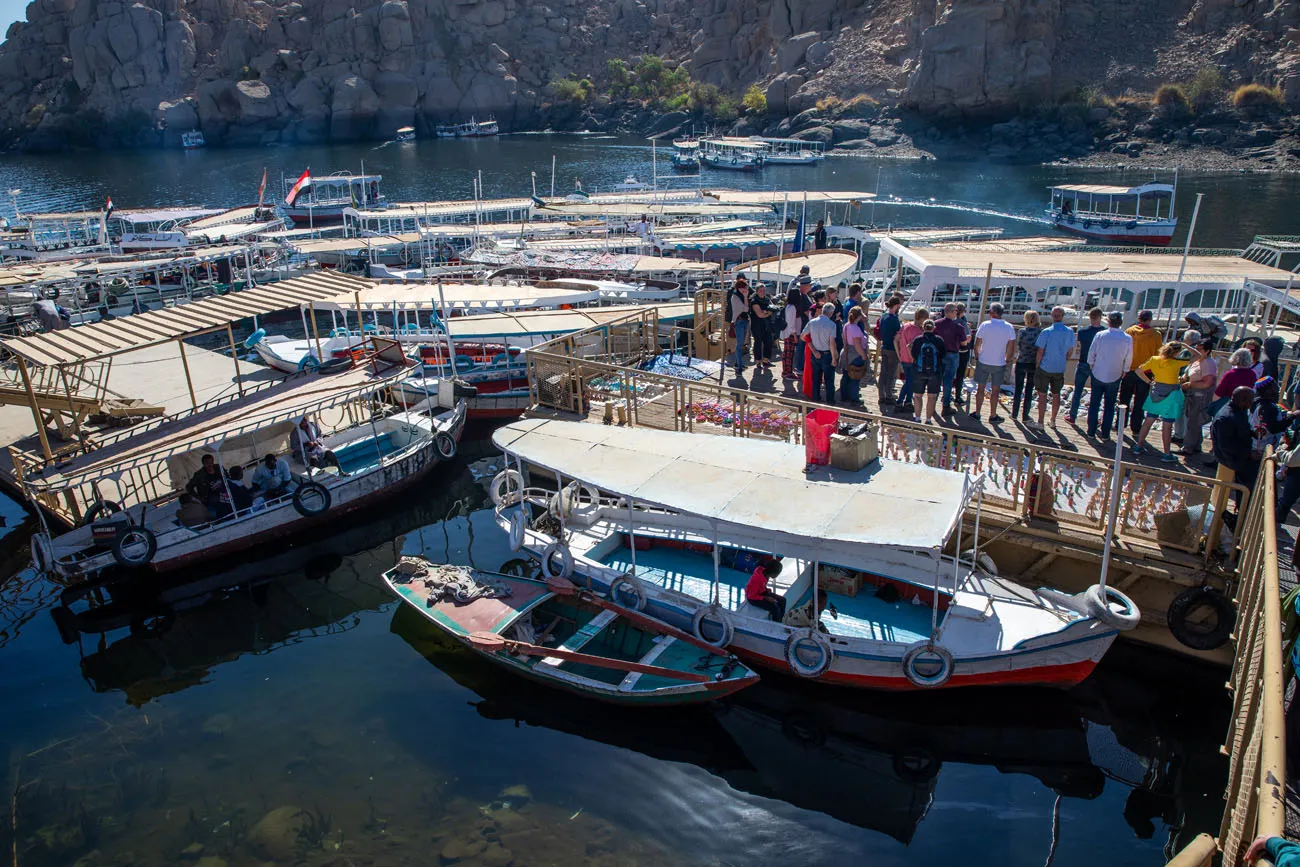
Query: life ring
[[100, 509], [570, 499], [561, 550], [804, 642], [334, 365], [506, 488], [445, 445], [311, 499], [518, 524], [1100, 604], [625, 585], [927, 653], [255, 338], [42, 553], [713, 613], [985, 562], [134, 547], [1196, 635], [308, 362]]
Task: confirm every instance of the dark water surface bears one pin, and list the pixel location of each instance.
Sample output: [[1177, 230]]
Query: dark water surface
[[304, 718], [1236, 207]]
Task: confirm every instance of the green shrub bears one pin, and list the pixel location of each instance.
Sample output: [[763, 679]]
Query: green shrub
[[1256, 96], [1091, 97], [1172, 98], [754, 100], [1206, 88], [572, 90], [620, 77]]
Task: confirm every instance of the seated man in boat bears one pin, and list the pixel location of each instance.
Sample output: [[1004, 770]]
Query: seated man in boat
[[759, 595], [801, 615], [234, 496], [271, 478], [307, 446], [203, 484]]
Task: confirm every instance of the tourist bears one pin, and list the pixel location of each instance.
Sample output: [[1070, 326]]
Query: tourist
[[798, 307], [1273, 348], [1209, 327], [1267, 419], [1162, 373], [903, 346], [204, 482], [1239, 374], [855, 362], [1109, 358], [760, 595], [192, 513], [232, 497], [1054, 343], [272, 477], [833, 298], [1231, 437], [1256, 350], [1026, 364], [309, 449], [738, 315], [760, 321], [854, 299], [821, 337], [995, 346], [1198, 392], [963, 359], [928, 353], [1082, 371], [955, 333], [888, 327], [819, 235], [1288, 457], [1133, 388]]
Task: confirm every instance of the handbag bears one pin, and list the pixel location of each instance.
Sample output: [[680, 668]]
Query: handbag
[[857, 370]]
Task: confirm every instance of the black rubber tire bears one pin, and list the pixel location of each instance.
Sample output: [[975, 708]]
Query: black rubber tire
[[300, 499], [521, 567], [445, 445], [1196, 636], [128, 534], [100, 509]]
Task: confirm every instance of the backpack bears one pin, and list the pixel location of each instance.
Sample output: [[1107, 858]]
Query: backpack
[[875, 330], [927, 360]]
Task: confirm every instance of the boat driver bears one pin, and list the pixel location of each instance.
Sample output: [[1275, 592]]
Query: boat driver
[[307, 446]]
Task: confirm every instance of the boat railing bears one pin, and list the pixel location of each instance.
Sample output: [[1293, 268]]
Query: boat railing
[[1051, 492], [1256, 738]]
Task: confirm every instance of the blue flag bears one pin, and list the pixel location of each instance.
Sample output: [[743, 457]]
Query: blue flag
[[798, 236]]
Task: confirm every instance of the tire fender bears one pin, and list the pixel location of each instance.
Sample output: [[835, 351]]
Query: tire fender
[[628, 585], [1179, 614], [301, 503], [42, 553], [100, 509], [126, 550], [518, 524], [808, 641], [561, 550], [1112, 607], [934, 651], [505, 488], [445, 445], [717, 614]]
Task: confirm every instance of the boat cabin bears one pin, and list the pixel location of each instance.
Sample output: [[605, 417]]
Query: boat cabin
[[341, 189]]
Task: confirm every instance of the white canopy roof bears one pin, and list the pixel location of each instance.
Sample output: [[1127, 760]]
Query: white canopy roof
[[544, 323], [752, 484], [1151, 189], [464, 296]]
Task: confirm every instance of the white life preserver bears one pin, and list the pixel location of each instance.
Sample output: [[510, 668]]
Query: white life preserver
[[628, 584], [569, 500], [934, 652], [717, 613], [518, 524], [505, 488], [561, 550], [806, 641], [1099, 602]]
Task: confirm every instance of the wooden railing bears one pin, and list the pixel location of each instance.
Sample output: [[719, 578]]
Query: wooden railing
[[581, 372]]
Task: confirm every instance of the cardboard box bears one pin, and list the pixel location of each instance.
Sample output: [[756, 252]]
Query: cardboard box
[[833, 579], [854, 453]]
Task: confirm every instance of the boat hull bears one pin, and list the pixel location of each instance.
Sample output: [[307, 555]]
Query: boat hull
[[1156, 233]]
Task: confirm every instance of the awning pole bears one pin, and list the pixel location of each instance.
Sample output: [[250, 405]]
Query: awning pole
[[36, 410], [315, 331], [631, 531], [1112, 514], [717, 559], [194, 403], [234, 353]]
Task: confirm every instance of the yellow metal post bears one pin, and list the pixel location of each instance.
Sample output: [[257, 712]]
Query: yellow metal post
[[189, 383], [36, 409], [234, 353], [315, 332]]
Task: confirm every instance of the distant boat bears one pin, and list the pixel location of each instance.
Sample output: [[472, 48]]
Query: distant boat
[[192, 140], [406, 133], [557, 634], [1114, 213], [686, 155], [470, 129], [631, 185]]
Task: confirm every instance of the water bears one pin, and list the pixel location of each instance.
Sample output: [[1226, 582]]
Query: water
[[303, 717], [1236, 207]]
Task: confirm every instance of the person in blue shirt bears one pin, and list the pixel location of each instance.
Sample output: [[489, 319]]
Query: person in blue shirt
[[1084, 335], [1054, 344], [889, 327]]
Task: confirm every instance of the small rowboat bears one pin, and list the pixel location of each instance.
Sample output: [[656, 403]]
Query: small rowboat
[[556, 633]]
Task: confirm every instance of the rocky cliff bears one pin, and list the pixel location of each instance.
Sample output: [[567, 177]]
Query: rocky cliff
[[95, 72]]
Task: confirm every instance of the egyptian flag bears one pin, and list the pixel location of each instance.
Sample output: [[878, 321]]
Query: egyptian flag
[[302, 183], [261, 190], [108, 208]]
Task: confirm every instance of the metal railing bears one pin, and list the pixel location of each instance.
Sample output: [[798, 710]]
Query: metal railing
[[597, 370]]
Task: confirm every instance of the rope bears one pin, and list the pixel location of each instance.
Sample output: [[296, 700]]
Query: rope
[[1056, 831], [458, 584]]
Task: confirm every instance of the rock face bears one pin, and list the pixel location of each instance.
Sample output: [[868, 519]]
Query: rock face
[[92, 72]]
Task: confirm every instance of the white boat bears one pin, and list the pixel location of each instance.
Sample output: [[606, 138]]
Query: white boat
[[324, 199], [192, 140], [376, 458], [674, 523], [469, 129], [791, 151], [630, 184], [1114, 213], [686, 155], [406, 133], [734, 154], [445, 130]]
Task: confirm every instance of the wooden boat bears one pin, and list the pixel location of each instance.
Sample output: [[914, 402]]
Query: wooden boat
[[690, 516], [555, 633]]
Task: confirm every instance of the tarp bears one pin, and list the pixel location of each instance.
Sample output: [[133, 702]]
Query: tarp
[[748, 485]]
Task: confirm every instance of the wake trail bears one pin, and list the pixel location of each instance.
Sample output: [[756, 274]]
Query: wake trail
[[964, 207]]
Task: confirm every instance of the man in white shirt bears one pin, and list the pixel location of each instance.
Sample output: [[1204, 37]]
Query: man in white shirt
[[995, 344], [821, 334], [271, 478], [1109, 358]]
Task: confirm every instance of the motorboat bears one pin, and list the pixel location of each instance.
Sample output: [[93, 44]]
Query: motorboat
[[686, 155], [192, 140], [556, 634], [791, 151], [322, 200], [1114, 213], [630, 184], [406, 133], [734, 154], [674, 524]]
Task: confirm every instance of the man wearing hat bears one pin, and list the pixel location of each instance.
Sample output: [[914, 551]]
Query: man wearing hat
[[1134, 387], [738, 314], [803, 304]]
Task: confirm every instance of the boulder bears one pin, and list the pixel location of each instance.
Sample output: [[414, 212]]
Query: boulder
[[180, 116], [818, 54], [256, 104], [353, 109], [275, 837], [179, 52], [780, 90], [395, 26], [790, 54]]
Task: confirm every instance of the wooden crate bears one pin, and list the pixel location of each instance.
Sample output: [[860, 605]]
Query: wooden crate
[[854, 453]]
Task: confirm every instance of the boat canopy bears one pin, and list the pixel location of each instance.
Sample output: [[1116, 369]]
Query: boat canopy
[[822, 265], [656, 209], [163, 215], [230, 231], [234, 215], [462, 296], [612, 263], [754, 487], [1113, 192], [237, 450], [777, 197], [402, 129], [544, 323]]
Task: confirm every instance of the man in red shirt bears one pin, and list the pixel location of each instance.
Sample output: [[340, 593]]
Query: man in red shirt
[[759, 595]]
